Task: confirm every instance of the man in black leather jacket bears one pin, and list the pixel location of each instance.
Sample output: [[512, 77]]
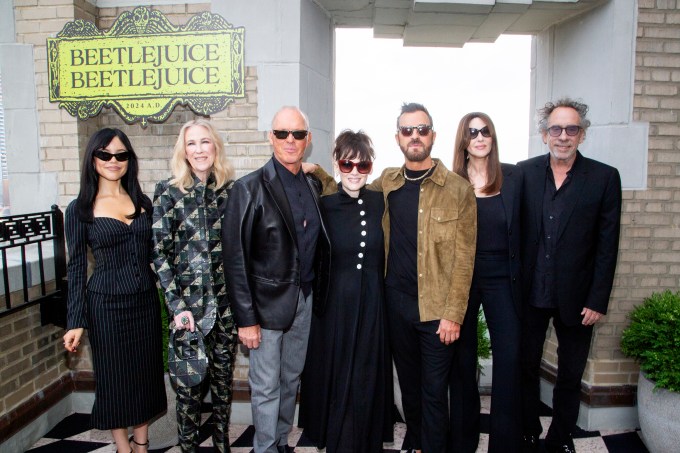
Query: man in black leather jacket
[[269, 234]]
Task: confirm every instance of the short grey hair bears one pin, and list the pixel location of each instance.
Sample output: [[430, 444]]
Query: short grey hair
[[549, 107]]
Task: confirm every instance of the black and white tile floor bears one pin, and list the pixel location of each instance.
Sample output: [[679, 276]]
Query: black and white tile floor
[[72, 435]]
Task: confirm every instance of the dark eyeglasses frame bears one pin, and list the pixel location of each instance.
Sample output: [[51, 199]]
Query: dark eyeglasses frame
[[363, 166], [571, 130], [299, 134], [107, 156], [423, 130], [475, 132]]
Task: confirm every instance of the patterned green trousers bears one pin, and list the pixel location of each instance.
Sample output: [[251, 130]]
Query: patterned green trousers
[[220, 346]]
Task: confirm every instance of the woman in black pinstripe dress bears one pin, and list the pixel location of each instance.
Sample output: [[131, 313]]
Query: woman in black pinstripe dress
[[119, 304]]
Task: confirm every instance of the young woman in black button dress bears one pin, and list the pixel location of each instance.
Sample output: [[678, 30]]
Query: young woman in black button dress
[[346, 398], [119, 304]]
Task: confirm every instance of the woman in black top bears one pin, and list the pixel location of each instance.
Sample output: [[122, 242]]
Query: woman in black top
[[495, 286], [119, 304], [346, 397]]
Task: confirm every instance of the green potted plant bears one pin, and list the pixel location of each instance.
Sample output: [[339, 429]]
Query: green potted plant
[[653, 340], [483, 342]]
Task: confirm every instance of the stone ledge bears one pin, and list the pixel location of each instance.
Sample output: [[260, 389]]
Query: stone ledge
[[83, 381], [597, 396], [19, 417]]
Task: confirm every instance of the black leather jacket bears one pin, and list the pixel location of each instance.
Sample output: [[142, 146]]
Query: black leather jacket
[[259, 245]]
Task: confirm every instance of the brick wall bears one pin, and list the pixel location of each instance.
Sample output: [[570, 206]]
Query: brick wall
[[650, 242], [31, 356], [247, 147], [649, 256]]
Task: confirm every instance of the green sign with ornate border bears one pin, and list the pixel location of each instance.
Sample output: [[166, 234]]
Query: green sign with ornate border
[[144, 66]]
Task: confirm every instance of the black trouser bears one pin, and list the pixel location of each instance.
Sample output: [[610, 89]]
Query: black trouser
[[572, 354], [423, 363], [491, 288]]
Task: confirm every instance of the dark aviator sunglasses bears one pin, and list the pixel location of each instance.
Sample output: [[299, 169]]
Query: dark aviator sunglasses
[[346, 166], [299, 134], [107, 156]]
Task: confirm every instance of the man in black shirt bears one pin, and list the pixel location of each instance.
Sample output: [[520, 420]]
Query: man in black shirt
[[571, 211], [430, 225], [270, 232]]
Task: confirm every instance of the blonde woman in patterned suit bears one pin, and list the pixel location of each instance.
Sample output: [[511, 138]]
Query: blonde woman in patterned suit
[[119, 303], [187, 215]]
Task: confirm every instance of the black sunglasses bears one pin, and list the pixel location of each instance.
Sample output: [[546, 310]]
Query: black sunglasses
[[297, 134], [475, 132], [423, 130], [107, 156], [363, 166], [571, 130]]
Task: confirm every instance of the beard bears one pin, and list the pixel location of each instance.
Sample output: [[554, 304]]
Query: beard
[[416, 155]]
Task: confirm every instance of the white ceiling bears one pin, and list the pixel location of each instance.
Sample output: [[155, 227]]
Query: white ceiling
[[452, 23]]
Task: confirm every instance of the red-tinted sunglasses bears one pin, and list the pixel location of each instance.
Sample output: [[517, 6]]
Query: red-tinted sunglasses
[[346, 166]]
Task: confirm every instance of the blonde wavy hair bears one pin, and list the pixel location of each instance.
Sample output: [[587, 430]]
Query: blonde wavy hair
[[181, 170]]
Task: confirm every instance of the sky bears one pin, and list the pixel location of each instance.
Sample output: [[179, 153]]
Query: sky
[[375, 76]]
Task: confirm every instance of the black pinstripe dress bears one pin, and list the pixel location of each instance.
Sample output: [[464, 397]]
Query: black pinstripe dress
[[119, 306]]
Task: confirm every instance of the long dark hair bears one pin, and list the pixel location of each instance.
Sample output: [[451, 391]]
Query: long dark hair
[[89, 178], [494, 172]]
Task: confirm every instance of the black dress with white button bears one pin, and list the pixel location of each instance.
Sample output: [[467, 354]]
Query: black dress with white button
[[346, 397]]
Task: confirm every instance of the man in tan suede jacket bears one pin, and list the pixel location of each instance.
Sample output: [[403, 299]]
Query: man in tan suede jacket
[[430, 224]]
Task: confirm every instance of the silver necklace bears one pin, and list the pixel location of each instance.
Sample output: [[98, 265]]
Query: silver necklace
[[419, 177]]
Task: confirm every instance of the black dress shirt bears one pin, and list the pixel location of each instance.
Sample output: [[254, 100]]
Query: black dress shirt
[[543, 290], [306, 217], [402, 264]]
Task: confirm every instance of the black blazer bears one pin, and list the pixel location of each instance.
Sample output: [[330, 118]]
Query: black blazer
[[259, 247], [511, 192], [122, 258], [588, 237]]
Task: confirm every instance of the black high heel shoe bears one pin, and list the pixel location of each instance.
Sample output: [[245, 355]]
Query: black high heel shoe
[[133, 441]]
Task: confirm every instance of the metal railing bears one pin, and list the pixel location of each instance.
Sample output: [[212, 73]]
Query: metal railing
[[35, 230]]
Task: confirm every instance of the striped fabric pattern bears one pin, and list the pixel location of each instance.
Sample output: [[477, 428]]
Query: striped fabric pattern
[[119, 306]]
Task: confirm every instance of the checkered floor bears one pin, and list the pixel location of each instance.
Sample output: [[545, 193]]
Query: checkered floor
[[72, 435]]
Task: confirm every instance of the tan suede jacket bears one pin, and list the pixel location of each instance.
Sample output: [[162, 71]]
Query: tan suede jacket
[[447, 237]]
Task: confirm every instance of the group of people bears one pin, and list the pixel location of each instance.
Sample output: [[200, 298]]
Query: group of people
[[328, 285]]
